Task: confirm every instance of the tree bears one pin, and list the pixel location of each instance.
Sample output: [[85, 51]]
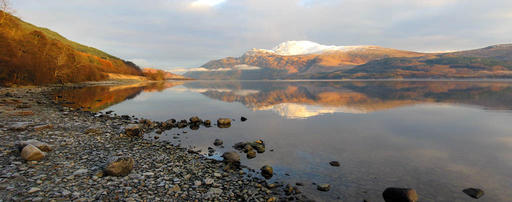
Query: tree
[[5, 7]]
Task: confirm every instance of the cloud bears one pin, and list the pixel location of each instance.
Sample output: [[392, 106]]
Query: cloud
[[188, 33], [206, 3]]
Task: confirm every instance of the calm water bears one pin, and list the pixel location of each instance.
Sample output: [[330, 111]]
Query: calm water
[[436, 137]]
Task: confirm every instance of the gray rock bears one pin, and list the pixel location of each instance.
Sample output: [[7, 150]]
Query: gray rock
[[474, 192], [119, 166], [393, 194], [81, 172]]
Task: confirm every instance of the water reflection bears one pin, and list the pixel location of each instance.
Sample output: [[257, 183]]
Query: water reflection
[[437, 137], [99, 97], [307, 99]]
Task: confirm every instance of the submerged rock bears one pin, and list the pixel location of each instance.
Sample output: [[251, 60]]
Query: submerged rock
[[474, 192], [207, 123], [218, 142], [251, 154], [393, 194], [335, 163], [32, 153], [119, 166], [323, 187], [267, 171]]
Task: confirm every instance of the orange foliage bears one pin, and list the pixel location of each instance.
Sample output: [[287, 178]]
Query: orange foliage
[[29, 57]]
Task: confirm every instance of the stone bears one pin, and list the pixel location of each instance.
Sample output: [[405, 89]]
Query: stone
[[251, 154], [80, 172], [40, 145], [267, 171], [323, 187], [243, 119], [195, 119], [207, 123], [218, 142], [208, 181], [213, 191], [223, 122], [393, 194], [119, 166], [33, 190], [335, 163], [474, 192], [231, 157], [32, 153], [133, 130], [248, 148]]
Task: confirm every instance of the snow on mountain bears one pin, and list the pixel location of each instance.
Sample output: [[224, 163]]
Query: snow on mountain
[[303, 48]]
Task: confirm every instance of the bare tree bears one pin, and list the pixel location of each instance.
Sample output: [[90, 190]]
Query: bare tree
[[5, 6]]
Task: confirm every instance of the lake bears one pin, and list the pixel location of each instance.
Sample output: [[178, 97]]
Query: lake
[[438, 137]]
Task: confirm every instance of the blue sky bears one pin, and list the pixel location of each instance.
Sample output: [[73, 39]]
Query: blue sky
[[188, 33]]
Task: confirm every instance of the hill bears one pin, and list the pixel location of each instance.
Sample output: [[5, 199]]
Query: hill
[[309, 60], [157, 74], [32, 55], [490, 62]]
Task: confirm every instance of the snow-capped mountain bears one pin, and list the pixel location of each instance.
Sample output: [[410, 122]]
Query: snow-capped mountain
[[290, 48]]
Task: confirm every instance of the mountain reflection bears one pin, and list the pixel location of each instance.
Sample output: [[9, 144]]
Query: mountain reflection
[[303, 99], [306, 99]]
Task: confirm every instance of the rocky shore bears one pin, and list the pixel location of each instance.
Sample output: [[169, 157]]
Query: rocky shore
[[81, 144]]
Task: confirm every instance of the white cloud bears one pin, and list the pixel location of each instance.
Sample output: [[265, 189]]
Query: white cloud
[[206, 3]]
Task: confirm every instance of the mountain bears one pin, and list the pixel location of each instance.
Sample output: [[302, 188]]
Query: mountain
[[309, 60], [31, 55]]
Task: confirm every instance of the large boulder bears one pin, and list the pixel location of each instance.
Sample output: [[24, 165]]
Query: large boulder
[[133, 130], [119, 166], [40, 145], [32, 153], [393, 194]]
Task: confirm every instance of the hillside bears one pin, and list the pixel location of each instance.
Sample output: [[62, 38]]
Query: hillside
[[490, 62], [34, 55], [308, 60]]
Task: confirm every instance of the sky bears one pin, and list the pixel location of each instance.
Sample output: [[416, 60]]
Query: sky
[[170, 34]]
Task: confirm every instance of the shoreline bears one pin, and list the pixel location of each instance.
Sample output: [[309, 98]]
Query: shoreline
[[82, 143]]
